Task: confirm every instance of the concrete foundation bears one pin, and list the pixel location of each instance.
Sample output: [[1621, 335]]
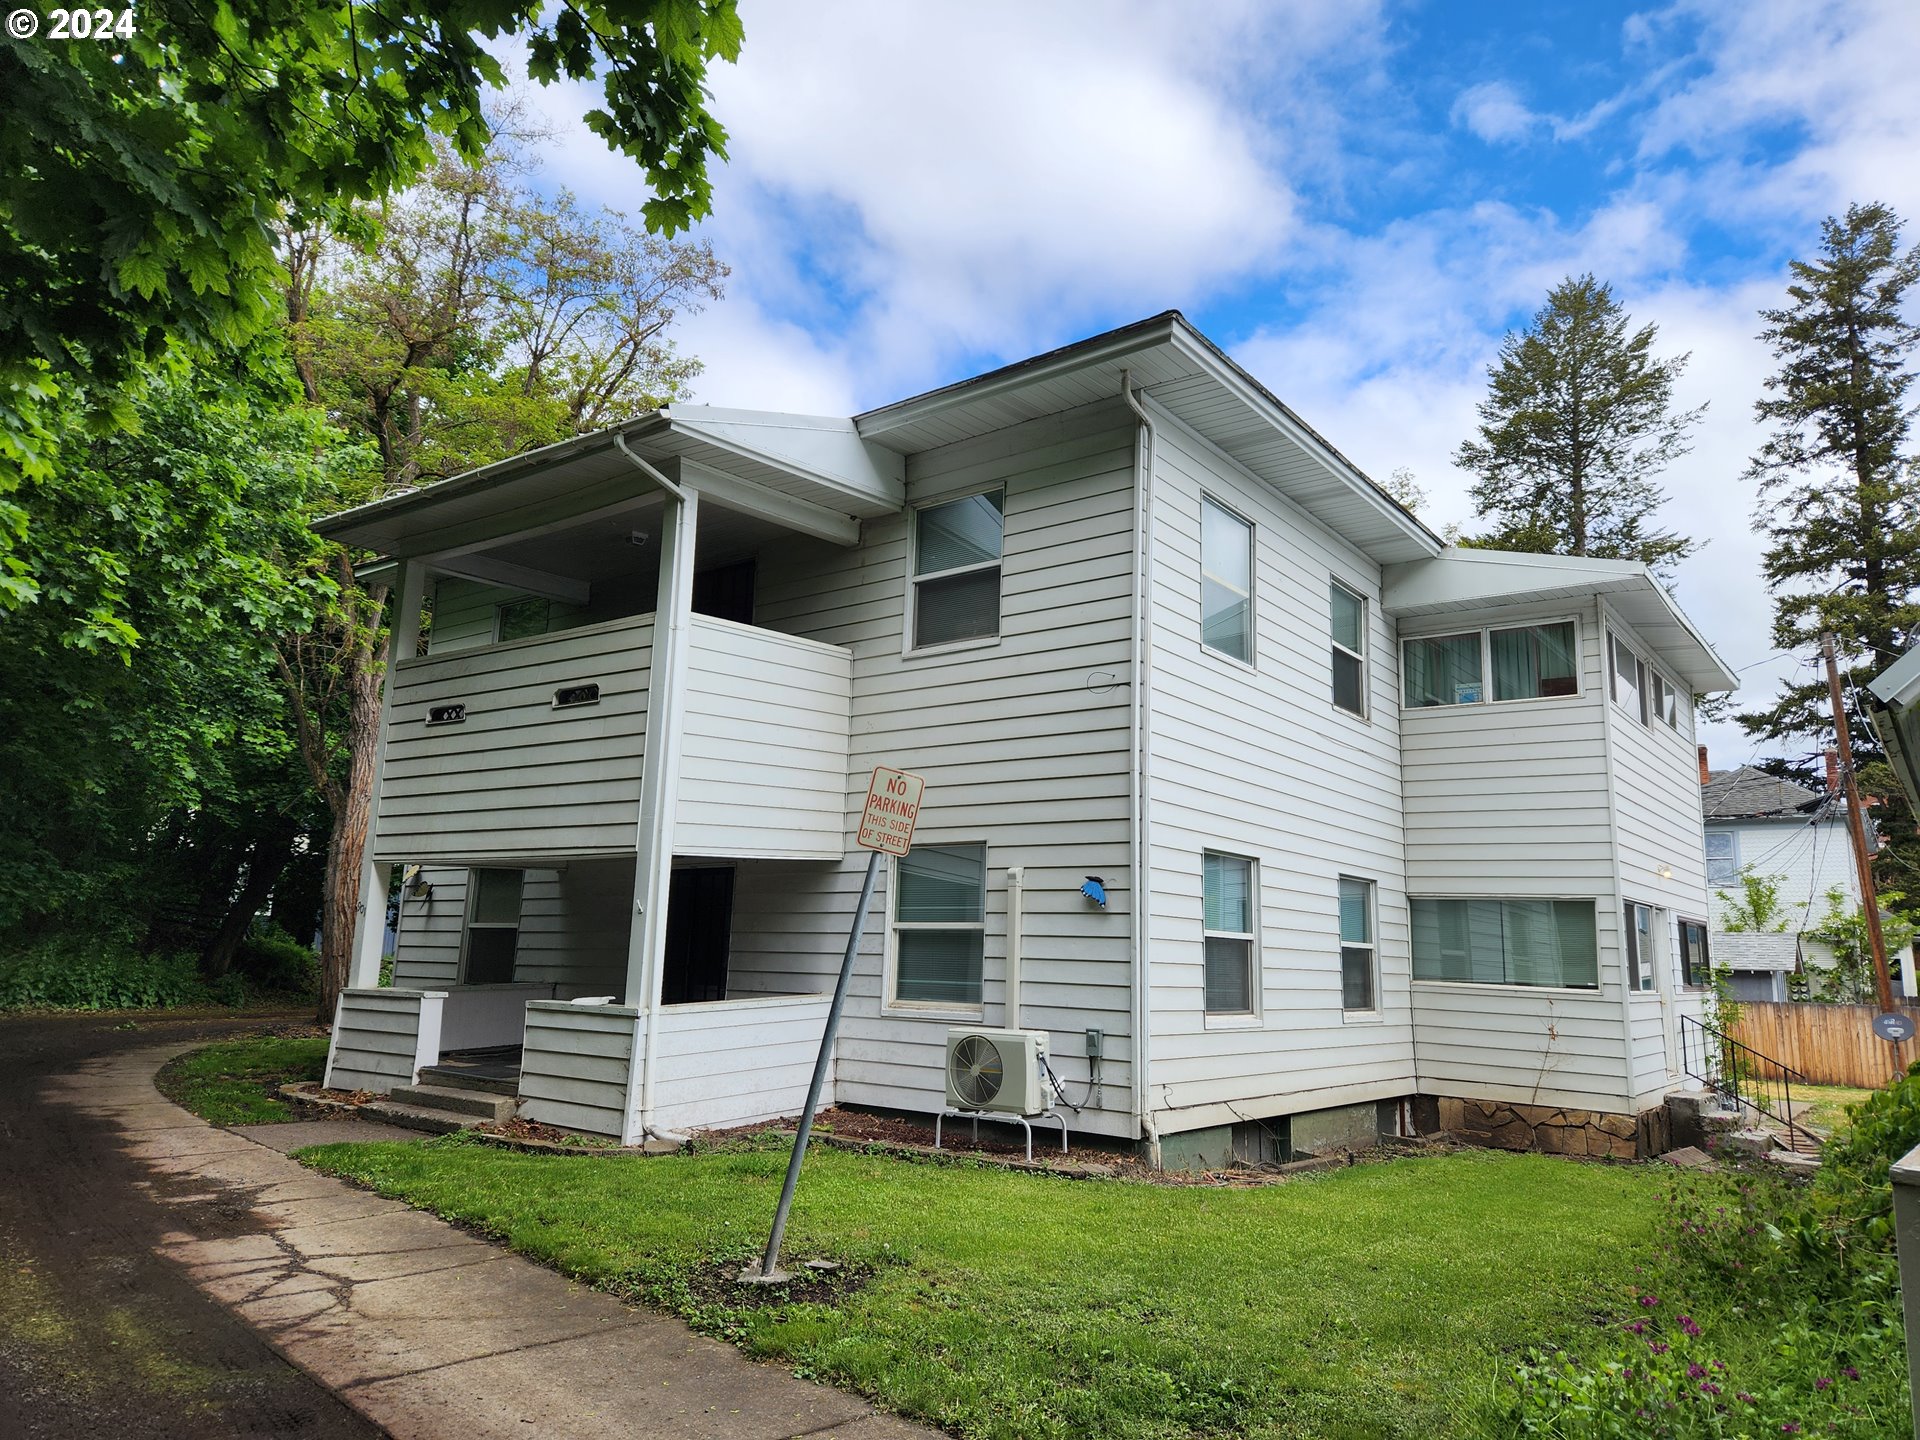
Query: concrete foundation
[[1346, 1127]]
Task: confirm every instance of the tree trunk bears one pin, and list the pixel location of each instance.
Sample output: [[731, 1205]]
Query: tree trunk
[[347, 845], [266, 859]]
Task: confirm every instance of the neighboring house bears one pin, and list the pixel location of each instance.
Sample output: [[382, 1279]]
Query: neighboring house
[[1789, 834], [1383, 826]]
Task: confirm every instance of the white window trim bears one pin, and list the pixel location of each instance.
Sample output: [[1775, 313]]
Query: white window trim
[[1253, 584], [1638, 960], [1686, 986], [500, 619], [911, 607], [1365, 712], [1371, 1014], [1485, 633], [1733, 844], [890, 1003], [1591, 992], [1251, 1017], [468, 924]]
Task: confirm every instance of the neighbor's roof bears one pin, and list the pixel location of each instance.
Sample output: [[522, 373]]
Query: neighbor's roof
[[1756, 950], [1464, 579], [1748, 793]]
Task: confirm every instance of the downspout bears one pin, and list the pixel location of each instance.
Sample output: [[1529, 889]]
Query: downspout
[[1139, 842], [1016, 911], [662, 755]]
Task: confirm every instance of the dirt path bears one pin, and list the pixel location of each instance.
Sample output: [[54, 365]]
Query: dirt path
[[99, 1335]]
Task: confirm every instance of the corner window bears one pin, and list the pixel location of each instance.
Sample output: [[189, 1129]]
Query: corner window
[[1535, 662], [517, 619], [1663, 699], [1356, 945], [1349, 619], [1723, 859], [1444, 670], [956, 569], [1506, 942], [1629, 677], [1696, 967], [1639, 925], [1227, 882], [939, 924], [1226, 581], [493, 925]]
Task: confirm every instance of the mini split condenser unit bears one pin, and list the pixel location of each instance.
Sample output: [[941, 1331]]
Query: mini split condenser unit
[[997, 1070]]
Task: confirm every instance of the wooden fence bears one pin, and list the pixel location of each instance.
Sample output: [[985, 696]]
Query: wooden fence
[[1829, 1044]]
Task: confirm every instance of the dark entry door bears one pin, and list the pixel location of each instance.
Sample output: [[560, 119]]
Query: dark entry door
[[699, 934]]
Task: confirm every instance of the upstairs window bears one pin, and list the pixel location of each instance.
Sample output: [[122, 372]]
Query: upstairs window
[[517, 619], [940, 924], [956, 569], [1348, 613], [1534, 662], [1629, 677], [1227, 930], [1356, 945], [1664, 699], [1226, 582], [1444, 670], [1506, 942], [1723, 859], [1524, 662], [493, 925], [1640, 957]]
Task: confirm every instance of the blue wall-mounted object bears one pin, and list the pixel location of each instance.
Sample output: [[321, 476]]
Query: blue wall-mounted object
[[1095, 890]]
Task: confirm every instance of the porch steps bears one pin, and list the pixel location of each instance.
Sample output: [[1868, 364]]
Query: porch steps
[[455, 1100], [463, 1077], [419, 1117]]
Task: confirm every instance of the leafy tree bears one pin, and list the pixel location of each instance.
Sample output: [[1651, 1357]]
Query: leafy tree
[[141, 182], [1850, 979], [485, 321], [1577, 421], [1839, 489], [1757, 907]]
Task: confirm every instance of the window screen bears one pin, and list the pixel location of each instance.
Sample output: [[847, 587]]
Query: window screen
[[1723, 859], [520, 618]]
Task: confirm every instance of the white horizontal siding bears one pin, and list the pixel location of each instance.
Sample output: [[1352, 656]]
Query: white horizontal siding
[[737, 1062], [574, 1066], [381, 1038], [1023, 742], [1511, 800], [1804, 859], [1261, 763]]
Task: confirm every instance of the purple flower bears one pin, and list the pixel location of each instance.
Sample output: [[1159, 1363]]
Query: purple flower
[[1787, 1427], [1822, 1383], [1688, 1324], [1707, 1387], [1850, 1372], [1649, 1300], [1696, 1372], [1658, 1347], [1637, 1327]]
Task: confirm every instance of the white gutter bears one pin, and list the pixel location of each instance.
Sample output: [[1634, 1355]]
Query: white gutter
[[1139, 843], [1016, 912]]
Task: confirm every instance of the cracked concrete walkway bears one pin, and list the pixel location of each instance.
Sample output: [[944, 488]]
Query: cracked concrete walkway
[[425, 1330]]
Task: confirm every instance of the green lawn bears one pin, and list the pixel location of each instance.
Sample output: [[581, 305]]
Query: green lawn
[[1383, 1300], [1830, 1102], [236, 1083]]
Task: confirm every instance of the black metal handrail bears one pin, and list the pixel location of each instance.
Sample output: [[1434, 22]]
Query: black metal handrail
[[1734, 1070]]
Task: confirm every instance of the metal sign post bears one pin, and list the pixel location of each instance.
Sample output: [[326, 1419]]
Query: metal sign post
[[886, 828]]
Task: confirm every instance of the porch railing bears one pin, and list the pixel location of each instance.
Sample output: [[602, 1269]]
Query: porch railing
[[1743, 1077]]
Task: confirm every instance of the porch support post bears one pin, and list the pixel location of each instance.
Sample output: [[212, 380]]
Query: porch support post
[[660, 768], [403, 643]]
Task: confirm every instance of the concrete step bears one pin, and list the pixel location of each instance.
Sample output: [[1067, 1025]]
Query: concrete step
[[414, 1117], [477, 1103], [453, 1077]]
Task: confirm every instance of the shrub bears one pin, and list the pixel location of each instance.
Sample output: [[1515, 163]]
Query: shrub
[[1853, 1185], [70, 973], [274, 962]]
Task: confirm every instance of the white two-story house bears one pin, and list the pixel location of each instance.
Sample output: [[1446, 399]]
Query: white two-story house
[[1384, 828]]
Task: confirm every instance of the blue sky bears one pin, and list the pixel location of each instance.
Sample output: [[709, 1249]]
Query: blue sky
[[1356, 200]]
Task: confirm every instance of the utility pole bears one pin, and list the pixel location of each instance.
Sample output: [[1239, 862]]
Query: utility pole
[[1857, 828]]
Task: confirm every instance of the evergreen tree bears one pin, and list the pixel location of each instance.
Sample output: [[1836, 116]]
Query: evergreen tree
[[1577, 421]]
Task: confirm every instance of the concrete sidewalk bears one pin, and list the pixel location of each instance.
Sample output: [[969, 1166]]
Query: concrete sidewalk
[[425, 1330]]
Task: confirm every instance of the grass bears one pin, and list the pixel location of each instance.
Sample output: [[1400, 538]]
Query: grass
[[1829, 1105], [1387, 1299], [235, 1083]]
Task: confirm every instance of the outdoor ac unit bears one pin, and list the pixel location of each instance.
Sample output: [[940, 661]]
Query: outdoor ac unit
[[996, 1070]]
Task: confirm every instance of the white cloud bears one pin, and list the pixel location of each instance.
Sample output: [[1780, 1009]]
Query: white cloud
[[1495, 112]]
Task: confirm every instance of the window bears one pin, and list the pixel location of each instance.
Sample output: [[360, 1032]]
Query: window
[[1629, 677], [493, 925], [956, 569], [1226, 581], [939, 924], [1444, 670], [1664, 699], [1723, 859], [1356, 944], [1349, 614], [1640, 955], [1696, 968], [1228, 928], [518, 619], [1526, 662], [1506, 942], [1533, 662]]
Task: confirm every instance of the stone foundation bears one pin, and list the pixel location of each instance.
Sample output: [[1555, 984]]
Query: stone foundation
[[1504, 1125]]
